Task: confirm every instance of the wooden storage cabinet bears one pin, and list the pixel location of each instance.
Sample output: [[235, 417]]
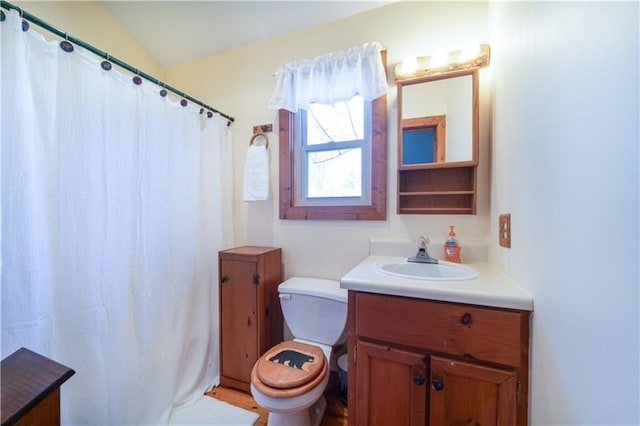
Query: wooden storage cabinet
[[30, 389], [437, 363], [250, 314]]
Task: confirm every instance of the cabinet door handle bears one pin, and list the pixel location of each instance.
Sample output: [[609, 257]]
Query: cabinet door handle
[[437, 384], [418, 378], [466, 319], [224, 279]]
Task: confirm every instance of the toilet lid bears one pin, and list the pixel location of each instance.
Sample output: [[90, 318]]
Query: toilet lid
[[290, 365]]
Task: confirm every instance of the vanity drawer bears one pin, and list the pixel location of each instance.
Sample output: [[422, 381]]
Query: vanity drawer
[[490, 334]]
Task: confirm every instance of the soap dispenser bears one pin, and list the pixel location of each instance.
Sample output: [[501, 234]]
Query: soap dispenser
[[451, 247]]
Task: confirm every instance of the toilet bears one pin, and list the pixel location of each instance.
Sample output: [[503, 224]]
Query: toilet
[[290, 378]]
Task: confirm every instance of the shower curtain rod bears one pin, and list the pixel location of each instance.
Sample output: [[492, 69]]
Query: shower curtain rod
[[32, 18]]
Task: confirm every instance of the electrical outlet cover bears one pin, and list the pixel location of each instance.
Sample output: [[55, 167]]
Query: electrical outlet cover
[[505, 230]]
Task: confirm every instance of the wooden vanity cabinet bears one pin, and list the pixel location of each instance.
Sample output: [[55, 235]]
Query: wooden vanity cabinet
[[250, 314], [423, 362]]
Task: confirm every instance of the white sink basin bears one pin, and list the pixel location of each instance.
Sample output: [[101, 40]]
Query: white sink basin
[[442, 271]]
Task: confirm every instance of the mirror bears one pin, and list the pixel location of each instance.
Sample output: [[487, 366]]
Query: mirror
[[438, 120], [438, 109]]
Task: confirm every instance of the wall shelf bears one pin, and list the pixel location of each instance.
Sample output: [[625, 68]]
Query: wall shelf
[[434, 193], [437, 190]]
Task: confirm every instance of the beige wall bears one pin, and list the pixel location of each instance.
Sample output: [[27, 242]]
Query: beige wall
[[91, 22], [241, 81]]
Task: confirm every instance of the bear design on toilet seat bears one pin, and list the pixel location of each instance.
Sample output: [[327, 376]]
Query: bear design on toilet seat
[[295, 359], [289, 368]]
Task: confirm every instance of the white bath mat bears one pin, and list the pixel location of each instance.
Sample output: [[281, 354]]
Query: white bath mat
[[210, 411]]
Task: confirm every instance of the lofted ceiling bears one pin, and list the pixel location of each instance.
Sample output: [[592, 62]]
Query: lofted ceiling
[[174, 32]]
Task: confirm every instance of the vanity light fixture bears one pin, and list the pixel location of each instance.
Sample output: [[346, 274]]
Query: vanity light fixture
[[409, 65], [471, 56], [439, 59], [470, 52]]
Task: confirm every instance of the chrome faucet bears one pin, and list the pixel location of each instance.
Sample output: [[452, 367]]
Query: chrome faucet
[[423, 254]]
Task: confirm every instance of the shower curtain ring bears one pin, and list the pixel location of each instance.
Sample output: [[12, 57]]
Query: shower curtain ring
[[65, 44], [163, 92], [25, 24], [106, 65], [136, 78]]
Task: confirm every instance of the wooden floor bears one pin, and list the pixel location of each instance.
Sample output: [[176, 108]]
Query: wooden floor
[[336, 414]]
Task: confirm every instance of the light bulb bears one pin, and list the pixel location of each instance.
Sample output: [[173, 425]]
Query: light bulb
[[470, 51], [409, 65], [439, 58]]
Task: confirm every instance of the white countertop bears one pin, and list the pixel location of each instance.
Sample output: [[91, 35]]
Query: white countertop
[[491, 288]]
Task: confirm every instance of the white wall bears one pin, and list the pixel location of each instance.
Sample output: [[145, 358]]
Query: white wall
[[565, 165], [240, 83]]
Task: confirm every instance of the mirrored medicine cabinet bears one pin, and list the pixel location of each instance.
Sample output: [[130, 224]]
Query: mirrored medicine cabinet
[[438, 137]]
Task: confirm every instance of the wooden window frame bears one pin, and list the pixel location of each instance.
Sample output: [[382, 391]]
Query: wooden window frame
[[376, 210]]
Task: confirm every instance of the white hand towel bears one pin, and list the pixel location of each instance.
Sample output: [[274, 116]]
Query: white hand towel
[[256, 174]]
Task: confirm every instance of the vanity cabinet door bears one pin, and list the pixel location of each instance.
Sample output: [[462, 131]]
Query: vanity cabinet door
[[463, 393], [392, 386]]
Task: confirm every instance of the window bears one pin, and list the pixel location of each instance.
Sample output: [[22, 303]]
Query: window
[[329, 172], [333, 154]]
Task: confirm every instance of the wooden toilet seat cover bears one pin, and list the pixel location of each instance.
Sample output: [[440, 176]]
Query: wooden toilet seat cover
[[288, 367]]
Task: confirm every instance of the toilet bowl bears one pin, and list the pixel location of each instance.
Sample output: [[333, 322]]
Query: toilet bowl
[[290, 378]]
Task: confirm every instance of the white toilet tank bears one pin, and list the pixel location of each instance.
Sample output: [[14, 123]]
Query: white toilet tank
[[315, 309]]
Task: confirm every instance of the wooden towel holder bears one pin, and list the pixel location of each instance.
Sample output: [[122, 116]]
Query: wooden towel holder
[[261, 131]]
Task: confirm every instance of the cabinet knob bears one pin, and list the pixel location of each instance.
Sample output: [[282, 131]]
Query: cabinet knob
[[466, 319], [437, 384], [418, 378], [224, 279]]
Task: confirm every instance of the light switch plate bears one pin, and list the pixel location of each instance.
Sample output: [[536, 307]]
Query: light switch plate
[[505, 230]]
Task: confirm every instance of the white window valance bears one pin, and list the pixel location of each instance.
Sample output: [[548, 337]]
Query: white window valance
[[330, 78]]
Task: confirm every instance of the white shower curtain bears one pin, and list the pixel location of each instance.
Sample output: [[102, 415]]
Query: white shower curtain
[[115, 202]]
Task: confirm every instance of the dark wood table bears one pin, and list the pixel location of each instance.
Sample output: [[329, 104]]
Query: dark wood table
[[31, 388]]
